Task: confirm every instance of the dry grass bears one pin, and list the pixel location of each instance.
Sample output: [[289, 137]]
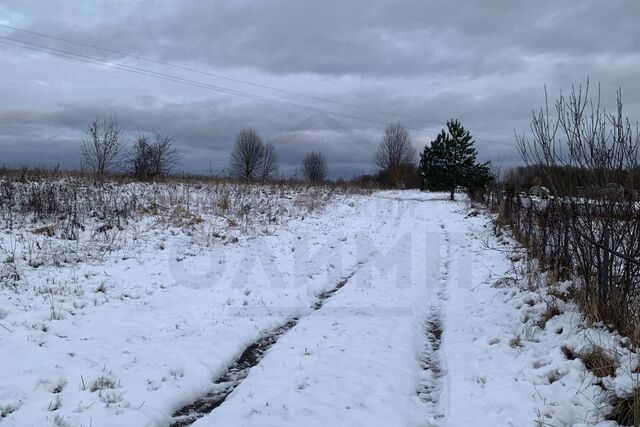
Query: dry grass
[[599, 362], [181, 217], [53, 218], [563, 252], [55, 404], [550, 312], [626, 409], [564, 295], [516, 342], [7, 409], [569, 353], [102, 383]]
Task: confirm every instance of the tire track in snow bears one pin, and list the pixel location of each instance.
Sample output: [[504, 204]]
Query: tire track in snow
[[254, 353], [428, 389], [250, 357], [433, 366]]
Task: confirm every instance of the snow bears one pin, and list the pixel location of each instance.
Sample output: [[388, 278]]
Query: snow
[[129, 339]]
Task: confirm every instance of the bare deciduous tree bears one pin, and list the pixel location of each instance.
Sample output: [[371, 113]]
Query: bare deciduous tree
[[396, 156], [314, 167], [166, 155], [250, 158], [269, 162], [102, 145], [154, 158], [141, 158]]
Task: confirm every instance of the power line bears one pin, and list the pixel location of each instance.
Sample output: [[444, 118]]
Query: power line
[[220, 76], [149, 73], [233, 79], [65, 54]]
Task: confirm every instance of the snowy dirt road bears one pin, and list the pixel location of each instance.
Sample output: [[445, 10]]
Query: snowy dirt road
[[416, 337], [379, 311]]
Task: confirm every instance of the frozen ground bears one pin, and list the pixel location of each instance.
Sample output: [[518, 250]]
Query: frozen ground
[[434, 326]]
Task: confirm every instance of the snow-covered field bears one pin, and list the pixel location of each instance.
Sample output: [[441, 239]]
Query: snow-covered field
[[434, 324]]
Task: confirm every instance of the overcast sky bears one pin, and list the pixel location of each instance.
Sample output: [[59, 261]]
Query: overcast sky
[[483, 62]]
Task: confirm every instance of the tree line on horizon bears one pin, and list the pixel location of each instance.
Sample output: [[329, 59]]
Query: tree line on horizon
[[447, 163]]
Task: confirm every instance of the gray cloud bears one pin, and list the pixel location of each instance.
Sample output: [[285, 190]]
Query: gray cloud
[[485, 63]]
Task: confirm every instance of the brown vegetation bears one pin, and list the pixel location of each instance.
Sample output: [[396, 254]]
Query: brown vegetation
[[588, 229]]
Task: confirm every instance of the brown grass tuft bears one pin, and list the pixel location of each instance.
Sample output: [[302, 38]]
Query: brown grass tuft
[[626, 409], [516, 342], [599, 362], [569, 353], [551, 311]]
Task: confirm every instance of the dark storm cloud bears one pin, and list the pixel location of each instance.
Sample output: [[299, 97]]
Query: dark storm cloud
[[484, 62], [355, 37]]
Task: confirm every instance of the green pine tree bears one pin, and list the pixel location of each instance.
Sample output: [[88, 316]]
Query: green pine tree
[[450, 161]]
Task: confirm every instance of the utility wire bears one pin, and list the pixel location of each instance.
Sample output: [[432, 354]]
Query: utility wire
[[233, 79], [219, 76], [150, 73]]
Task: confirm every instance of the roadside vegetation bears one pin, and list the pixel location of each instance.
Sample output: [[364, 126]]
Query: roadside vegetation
[[574, 206]]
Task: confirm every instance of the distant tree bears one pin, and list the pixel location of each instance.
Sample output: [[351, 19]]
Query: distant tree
[[247, 155], [155, 157], [140, 160], [102, 145], [450, 161], [396, 156], [166, 155], [269, 162], [314, 167], [251, 159]]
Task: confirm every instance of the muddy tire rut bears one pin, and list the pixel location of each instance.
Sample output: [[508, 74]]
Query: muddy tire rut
[[430, 361], [430, 358], [240, 368]]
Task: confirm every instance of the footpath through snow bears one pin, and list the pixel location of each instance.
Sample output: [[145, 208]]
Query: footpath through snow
[[421, 331]]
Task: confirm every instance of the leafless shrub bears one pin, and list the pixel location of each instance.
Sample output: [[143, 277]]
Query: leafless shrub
[[102, 145], [396, 156], [314, 167], [588, 230], [251, 159], [153, 157]]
